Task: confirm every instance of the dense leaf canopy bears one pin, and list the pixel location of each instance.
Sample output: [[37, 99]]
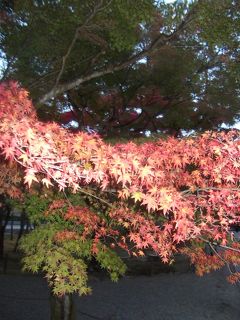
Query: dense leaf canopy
[[154, 196]]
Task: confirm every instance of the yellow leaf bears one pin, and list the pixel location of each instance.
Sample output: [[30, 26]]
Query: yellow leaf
[[137, 196], [24, 158]]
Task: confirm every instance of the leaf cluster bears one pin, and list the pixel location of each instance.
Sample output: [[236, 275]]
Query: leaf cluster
[[57, 248]]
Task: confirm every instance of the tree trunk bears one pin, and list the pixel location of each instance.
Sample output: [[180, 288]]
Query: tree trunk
[[4, 218], [21, 230], [61, 308], [1, 240]]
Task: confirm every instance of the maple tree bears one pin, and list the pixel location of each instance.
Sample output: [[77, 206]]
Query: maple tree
[[169, 196]]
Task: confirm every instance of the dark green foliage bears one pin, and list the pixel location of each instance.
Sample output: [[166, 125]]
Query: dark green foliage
[[48, 45], [109, 260], [45, 29]]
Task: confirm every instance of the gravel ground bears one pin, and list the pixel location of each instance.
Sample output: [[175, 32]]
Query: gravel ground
[[172, 296]]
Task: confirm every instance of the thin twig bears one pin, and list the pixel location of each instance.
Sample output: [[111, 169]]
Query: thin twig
[[219, 245], [99, 7], [68, 201], [208, 189], [96, 197]]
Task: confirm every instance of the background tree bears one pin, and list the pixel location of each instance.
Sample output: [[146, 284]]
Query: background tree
[[117, 69]]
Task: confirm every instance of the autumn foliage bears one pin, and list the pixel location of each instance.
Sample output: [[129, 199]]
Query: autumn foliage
[[169, 196]]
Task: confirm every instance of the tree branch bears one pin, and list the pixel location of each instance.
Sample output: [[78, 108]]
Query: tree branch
[[160, 41], [188, 191], [212, 243], [96, 197], [99, 7]]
